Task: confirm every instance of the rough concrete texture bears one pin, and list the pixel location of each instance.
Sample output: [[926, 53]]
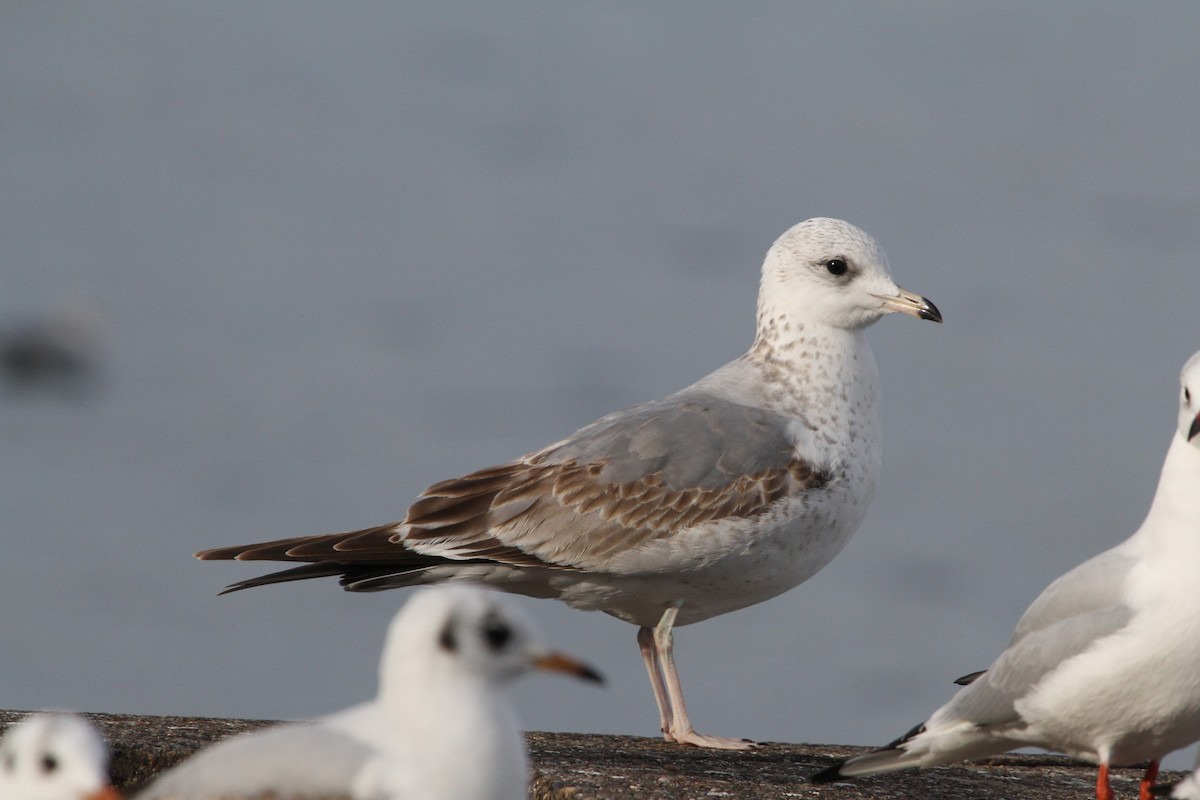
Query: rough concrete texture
[[570, 766]]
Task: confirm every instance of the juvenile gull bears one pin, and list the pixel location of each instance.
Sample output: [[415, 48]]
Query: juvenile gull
[[441, 728], [1105, 665], [666, 513], [54, 757]]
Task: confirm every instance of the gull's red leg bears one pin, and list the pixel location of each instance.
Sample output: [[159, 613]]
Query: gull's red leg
[[1145, 788], [1103, 787]]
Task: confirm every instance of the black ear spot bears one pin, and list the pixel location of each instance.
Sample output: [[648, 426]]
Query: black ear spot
[[496, 633], [447, 639], [49, 763]]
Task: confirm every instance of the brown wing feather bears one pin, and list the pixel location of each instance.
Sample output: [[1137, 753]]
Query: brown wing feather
[[364, 545], [565, 514], [526, 513]]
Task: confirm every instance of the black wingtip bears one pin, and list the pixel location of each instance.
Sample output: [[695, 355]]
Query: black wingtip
[[828, 775], [967, 680], [913, 732]]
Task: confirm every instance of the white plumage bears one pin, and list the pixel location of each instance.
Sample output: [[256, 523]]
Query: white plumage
[[441, 727], [54, 757], [1105, 665]]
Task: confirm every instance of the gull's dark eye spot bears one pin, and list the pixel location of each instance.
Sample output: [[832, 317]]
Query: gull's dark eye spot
[[496, 633], [447, 639], [1187, 395], [49, 763], [836, 266]]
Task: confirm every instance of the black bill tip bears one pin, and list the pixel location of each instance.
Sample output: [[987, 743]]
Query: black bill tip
[[929, 311]]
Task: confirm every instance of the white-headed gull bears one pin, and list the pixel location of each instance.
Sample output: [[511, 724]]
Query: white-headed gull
[[441, 728], [1105, 665], [54, 757], [717, 497]]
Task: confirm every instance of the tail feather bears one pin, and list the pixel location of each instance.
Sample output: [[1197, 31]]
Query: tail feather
[[264, 551], [323, 569], [372, 544], [354, 578]]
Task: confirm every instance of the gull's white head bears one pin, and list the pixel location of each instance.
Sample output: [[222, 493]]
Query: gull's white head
[[54, 757], [1189, 401], [829, 271], [466, 633]]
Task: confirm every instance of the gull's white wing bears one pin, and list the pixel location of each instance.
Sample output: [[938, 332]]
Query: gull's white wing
[[1079, 608], [287, 761]]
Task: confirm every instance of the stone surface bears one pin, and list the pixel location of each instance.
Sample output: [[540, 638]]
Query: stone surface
[[571, 766]]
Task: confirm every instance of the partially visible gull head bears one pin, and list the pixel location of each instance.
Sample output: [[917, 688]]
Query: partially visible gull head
[[1189, 401], [831, 272], [466, 633], [54, 757]]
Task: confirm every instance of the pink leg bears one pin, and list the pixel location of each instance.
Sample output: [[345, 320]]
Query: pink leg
[[1146, 787], [645, 639], [679, 727]]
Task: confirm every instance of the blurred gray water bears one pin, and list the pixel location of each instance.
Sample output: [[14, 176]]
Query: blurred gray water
[[340, 252]]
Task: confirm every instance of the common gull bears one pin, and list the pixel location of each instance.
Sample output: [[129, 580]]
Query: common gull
[[717, 497]]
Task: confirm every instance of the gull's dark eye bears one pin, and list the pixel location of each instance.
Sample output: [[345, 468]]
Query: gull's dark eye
[[49, 763], [447, 639], [836, 266], [496, 633], [1187, 395]]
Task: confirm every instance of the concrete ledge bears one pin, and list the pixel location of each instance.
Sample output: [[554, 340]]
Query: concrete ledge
[[571, 766]]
